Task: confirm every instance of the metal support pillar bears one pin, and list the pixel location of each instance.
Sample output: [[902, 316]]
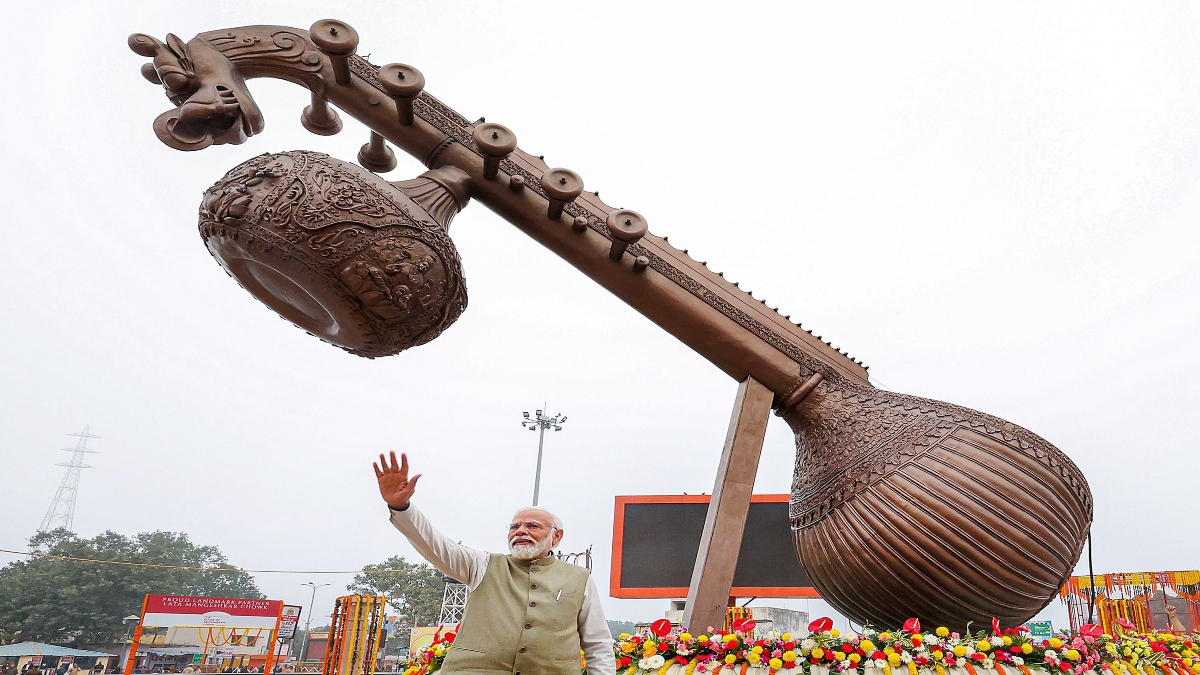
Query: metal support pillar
[[712, 577]]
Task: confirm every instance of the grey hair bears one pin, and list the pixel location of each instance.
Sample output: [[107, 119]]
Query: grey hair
[[555, 521]]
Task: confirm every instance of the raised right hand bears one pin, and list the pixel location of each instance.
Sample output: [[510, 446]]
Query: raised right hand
[[394, 484]]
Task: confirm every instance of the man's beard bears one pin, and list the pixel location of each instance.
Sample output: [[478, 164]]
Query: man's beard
[[530, 551]]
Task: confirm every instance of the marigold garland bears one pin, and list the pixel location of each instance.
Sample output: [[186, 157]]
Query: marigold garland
[[830, 652]]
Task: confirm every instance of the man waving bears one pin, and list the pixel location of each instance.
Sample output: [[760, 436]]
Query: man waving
[[527, 613]]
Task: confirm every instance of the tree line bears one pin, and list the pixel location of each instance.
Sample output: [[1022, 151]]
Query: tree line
[[81, 604]]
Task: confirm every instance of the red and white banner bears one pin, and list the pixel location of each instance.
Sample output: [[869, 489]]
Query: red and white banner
[[190, 610]]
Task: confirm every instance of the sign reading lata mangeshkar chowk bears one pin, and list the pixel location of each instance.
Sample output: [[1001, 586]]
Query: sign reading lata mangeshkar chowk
[[211, 623], [192, 610]]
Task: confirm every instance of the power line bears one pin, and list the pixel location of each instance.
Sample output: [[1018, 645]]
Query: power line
[[62, 508], [191, 567]]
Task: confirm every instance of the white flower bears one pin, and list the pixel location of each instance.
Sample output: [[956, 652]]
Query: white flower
[[807, 644], [881, 663], [1050, 653], [1018, 661], [988, 663], [932, 639], [997, 641], [652, 662], [849, 637]]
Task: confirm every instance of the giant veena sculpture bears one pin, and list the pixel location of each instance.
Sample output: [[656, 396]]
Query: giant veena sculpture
[[901, 506]]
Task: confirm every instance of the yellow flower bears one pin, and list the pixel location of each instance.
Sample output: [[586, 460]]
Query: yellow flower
[[835, 632], [960, 650], [1073, 654], [982, 646], [757, 650], [893, 659], [867, 646], [942, 631], [855, 658], [685, 636], [624, 636], [1127, 651], [785, 637], [1027, 648], [885, 636], [937, 655], [731, 638], [775, 664], [627, 647], [789, 655], [818, 653], [753, 658], [703, 638], [648, 645], [889, 651], [1187, 662], [1055, 643], [730, 658], [1007, 641]]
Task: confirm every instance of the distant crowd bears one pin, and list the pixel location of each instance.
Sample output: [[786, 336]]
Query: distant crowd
[[74, 669]]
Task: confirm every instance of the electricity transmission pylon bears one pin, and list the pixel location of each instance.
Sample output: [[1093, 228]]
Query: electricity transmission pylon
[[62, 510]]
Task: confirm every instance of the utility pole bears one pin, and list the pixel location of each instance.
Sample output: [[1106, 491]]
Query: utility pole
[[540, 422], [308, 623], [62, 509]]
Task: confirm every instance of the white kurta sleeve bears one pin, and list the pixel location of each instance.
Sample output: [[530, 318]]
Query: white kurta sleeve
[[594, 636], [453, 559]]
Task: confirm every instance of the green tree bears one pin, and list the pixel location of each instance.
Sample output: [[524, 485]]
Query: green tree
[[414, 590], [82, 603]]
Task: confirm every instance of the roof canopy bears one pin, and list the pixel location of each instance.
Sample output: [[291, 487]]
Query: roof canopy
[[36, 648]]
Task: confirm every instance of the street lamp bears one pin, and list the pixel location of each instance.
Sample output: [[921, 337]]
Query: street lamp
[[308, 624], [129, 621], [540, 422]]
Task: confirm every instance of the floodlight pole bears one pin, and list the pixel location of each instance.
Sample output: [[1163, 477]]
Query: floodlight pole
[[308, 624], [541, 423]]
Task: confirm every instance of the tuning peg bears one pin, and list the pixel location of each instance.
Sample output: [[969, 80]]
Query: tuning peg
[[579, 224], [404, 84], [376, 155], [641, 263], [338, 41], [561, 186], [625, 227], [319, 118], [495, 142], [516, 183]]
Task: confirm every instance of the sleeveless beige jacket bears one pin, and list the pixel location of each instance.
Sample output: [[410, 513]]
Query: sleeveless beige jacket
[[523, 619]]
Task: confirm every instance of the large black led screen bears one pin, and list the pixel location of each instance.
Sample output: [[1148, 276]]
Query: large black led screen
[[660, 542]]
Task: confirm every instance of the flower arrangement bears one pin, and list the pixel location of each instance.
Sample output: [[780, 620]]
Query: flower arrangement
[[907, 651], [430, 659]]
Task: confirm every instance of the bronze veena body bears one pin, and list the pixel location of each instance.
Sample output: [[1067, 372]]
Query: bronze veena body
[[901, 506]]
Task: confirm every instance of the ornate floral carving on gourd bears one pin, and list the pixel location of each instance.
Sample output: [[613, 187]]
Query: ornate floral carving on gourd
[[361, 234]]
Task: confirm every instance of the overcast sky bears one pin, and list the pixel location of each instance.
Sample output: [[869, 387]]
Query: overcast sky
[[993, 204]]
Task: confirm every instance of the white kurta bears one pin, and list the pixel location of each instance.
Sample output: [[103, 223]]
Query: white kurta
[[468, 565]]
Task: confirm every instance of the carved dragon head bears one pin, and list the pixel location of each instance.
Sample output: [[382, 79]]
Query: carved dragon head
[[213, 103]]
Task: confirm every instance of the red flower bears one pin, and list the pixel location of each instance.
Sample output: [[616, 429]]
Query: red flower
[[829, 655], [789, 645], [789, 664], [681, 660], [820, 625], [921, 661], [1064, 666], [877, 655], [1016, 649], [450, 637], [848, 648], [979, 656]]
